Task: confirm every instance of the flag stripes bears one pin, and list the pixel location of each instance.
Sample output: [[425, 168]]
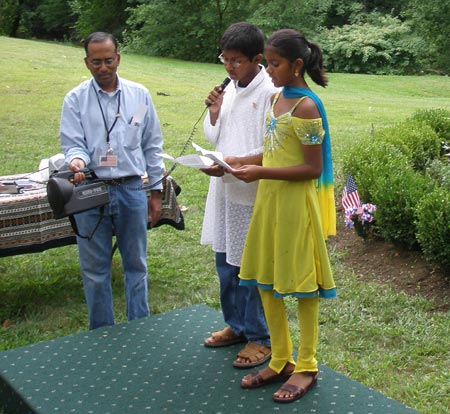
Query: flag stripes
[[350, 196]]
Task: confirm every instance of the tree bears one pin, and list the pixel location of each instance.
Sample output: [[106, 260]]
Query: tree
[[273, 15], [16, 17], [57, 19], [49, 19], [96, 15], [375, 36], [9, 17], [188, 30], [431, 20]]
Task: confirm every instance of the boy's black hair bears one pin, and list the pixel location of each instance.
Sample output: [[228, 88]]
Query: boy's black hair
[[99, 37], [244, 37]]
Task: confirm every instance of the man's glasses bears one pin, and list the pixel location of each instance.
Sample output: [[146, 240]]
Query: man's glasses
[[233, 62], [99, 62]]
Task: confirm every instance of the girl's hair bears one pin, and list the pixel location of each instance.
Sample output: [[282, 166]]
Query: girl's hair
[[292, 45], [244, 37], [100, 37]]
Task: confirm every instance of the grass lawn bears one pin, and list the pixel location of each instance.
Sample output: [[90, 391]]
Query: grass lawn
[[384, 339]]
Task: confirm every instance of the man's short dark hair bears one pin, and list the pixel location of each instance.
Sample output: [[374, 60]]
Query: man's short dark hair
[[245, 37], [100, 37]]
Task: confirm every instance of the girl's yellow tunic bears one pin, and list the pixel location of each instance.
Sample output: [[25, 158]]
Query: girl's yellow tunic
[[285, 249]]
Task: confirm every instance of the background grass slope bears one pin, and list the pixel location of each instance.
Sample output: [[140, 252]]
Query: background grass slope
[[386, 340]]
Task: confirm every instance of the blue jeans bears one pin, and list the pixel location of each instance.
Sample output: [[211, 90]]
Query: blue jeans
[[241, 305], [126, 217]]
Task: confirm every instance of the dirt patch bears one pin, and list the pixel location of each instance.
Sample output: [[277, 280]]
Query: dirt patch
[[379, 261]]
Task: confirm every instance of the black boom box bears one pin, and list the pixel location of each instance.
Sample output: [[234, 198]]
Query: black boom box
[[66, 198]]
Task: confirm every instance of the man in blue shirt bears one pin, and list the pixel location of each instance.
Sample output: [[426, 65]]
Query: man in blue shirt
[[109, 125]]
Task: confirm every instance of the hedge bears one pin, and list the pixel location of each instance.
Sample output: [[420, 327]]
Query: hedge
[[404, 170]]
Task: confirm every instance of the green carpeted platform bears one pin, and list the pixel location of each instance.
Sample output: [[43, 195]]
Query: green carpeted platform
[[159, 365]]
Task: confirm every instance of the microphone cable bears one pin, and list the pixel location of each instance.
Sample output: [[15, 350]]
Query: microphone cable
[[223, 85]]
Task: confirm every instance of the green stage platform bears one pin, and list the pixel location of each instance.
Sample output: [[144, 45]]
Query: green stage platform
[[159, 365]]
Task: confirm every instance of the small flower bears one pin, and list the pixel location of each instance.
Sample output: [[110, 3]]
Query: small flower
[[360, 218]]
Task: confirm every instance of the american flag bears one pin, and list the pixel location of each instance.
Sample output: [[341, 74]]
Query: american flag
[[350, 196]]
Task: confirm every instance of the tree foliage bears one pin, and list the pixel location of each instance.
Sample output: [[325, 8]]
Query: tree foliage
[[97, 15], [16, 17], [366, 36], [381, 44], [55, 20], [9, 16], [271, 15], [187, 30], [432, 21], [48, 19]]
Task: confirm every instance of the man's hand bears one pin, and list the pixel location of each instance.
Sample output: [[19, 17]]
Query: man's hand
[[76, 165], [154, 203]]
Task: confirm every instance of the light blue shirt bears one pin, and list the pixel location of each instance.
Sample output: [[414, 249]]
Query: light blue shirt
[[83, 133]]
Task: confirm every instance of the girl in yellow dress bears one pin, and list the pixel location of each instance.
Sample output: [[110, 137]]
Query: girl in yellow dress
[[285, 251]]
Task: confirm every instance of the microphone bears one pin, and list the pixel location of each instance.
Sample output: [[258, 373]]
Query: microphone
[[223, 85], [225, 82]]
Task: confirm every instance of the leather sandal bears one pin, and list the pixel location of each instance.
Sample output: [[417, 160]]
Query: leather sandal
[[256, 379], [294, 391], [254, 354], [225, 337]]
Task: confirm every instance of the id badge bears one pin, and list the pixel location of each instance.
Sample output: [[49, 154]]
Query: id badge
[[108, 160]]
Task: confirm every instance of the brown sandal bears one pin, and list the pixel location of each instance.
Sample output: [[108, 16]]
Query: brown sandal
[[255, 354], [225, 337], [256, 379], [296, 392]]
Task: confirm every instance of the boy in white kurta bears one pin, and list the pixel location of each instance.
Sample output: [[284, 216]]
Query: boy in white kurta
[[235, 125]]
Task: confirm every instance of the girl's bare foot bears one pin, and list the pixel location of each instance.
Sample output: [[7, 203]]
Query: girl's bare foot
[[266, 376], [296, 386]]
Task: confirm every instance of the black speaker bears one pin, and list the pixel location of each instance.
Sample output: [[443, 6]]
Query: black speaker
[[66, 199]]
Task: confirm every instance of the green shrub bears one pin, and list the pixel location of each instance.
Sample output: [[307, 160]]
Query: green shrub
[[398, 170], [437, 119], [396, 197], [368, 159], [378, 45], [417, 140], [433, 227]]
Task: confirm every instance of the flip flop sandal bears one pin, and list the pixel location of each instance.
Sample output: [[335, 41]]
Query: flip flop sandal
[[256, 380], [255, 354], [296, 392], [225, 337]]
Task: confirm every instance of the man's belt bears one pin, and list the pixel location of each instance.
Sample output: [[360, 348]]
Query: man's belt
[[119, 181]]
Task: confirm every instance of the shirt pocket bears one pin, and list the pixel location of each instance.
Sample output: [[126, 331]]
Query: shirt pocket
[[132, 139]]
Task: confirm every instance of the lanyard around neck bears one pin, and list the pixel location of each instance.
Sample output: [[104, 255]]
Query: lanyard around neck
[[108, 130]]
